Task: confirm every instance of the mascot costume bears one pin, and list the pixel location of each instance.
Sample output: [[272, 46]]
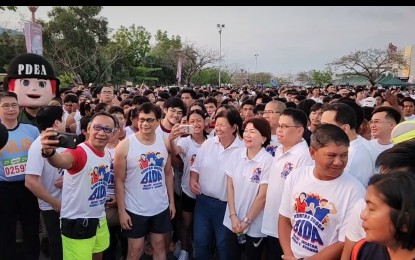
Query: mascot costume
[[32, 78]]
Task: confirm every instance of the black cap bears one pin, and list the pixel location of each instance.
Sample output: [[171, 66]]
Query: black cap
[[30, 65]]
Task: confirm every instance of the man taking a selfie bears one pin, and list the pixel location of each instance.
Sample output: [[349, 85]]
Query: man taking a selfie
[[83, 222]]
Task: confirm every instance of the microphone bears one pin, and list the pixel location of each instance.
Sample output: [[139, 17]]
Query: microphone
[[4, 135]]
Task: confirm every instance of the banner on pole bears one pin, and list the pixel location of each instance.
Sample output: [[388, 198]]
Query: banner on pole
[[179, 70], [33, 37]]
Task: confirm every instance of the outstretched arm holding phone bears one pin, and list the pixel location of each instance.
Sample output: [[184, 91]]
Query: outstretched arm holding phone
[[49, 145]]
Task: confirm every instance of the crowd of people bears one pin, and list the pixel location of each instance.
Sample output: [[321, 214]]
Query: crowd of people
[[211, 173]]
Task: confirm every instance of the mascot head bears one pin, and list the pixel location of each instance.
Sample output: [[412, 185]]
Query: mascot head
[[32, 78]]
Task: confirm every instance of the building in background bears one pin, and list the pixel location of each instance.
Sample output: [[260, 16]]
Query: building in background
[[408, 73]]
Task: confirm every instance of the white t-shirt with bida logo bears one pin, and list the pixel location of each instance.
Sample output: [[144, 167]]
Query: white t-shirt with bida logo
[[319, 210]]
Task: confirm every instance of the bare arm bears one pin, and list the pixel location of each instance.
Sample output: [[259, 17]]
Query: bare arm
[[168, 171], [120, 172], [284, 234], [58, 160], [347, 249], [259, 202], [235, 220], [175, 150], [33, 184], [194, 183], [332, 251]]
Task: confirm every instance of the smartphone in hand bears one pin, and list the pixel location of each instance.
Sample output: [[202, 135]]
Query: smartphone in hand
[[187, 129], [67, 140]]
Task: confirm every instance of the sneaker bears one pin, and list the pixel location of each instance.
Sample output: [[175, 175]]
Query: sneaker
[[183, 255], [177, 249]]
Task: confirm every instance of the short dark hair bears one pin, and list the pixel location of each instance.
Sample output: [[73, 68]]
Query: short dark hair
[[71, 98], [148, 92], [263, 126], [211, 100], [315, 107], [305, 105], [101, 107], [47, 115], [344, 114], [233, 117], [326, 134], [391, 113], [248, 102], [396, 190], [8, 94], [103, 113], [408, 99], [138, 100], [164, 94], [358, 110], [127, 101], [116, 109], [398, 157], [192, 93], [175, 102], [149, 107], [298, 116]]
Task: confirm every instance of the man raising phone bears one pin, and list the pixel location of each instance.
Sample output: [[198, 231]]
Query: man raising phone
[[83, 222]]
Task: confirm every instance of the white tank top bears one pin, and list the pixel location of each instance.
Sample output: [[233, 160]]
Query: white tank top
[[145, 183], [84, 193]]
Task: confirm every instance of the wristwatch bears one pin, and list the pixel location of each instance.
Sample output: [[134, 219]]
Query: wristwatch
[[247, 220]]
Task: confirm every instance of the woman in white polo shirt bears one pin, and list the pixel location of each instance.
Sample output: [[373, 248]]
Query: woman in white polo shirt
[[187, 148], [208, 183], [247, 182]]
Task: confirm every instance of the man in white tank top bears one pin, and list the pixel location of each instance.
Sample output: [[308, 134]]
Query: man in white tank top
[[144, 185], [83, 222]]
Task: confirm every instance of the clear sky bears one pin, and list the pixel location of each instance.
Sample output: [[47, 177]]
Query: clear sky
[[286, 39]]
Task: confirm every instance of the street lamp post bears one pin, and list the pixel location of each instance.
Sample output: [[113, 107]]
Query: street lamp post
[[33, 10], [220, 27], [256, 65]]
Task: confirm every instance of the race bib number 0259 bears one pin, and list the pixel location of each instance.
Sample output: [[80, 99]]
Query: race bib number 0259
[[15, 167]]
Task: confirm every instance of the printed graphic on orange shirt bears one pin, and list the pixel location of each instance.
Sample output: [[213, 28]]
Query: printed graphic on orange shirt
[[311, 217], [99, 178], [151, 165]]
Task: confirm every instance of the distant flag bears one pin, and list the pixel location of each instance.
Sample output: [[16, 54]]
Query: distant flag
[[33, 37], [179, 70]]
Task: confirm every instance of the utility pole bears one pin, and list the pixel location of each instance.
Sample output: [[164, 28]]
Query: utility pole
[[220, 27]]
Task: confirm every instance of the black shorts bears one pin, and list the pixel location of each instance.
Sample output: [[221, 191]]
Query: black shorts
[[142, 225], [188, 204]]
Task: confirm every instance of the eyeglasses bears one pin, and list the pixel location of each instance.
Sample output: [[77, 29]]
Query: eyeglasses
[[272, 112], [8, 106], [284, 127], [377, 122], [106, 130], [148, 120]]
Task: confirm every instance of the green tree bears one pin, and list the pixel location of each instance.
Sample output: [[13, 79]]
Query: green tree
[[76, 39], [370, 63], [133, 45], [261, 78], [10, 8], [11, 45], [321, 78]]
